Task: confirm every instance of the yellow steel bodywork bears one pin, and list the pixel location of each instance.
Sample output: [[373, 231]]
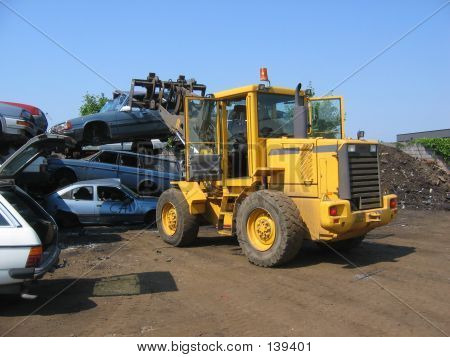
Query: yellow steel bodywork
[[306, 170]]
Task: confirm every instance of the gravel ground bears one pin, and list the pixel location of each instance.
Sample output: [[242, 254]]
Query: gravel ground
[[129, 283]]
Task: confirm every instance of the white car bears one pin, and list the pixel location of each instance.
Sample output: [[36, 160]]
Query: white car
[[28, 234]]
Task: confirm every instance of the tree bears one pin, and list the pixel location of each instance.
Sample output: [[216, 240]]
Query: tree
[[92, 103]]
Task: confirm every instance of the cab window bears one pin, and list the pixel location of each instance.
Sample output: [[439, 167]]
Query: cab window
[[325, 116], [275, 115]]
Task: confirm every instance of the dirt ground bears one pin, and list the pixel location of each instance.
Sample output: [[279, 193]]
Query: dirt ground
[[147, 288]]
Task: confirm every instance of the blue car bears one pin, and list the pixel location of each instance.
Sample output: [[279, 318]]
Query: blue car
[[116, 122], [99, 202], [145, 174]]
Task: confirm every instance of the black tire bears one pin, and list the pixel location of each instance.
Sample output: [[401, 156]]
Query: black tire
[[289, 228], [342, 245], [95, 134], [66, 220], [148, 188], [150, 218], [186, 224], [64, 178]]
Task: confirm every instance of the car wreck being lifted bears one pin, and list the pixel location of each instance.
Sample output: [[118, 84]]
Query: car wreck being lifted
[[29, 235], [272, 166], [115, 122]]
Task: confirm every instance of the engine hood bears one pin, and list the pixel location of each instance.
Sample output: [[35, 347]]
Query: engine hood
[[41, 145]]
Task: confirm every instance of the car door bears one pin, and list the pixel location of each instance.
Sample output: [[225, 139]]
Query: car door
[[128, 171], [104, 165], [81, 202], [115, 206]]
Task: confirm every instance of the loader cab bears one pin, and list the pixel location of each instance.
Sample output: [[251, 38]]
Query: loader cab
[[226, 134]]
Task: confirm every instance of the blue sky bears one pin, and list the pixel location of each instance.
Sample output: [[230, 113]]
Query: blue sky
[[223, 44]]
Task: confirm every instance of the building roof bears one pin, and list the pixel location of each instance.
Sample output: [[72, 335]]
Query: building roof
[[443, 133]]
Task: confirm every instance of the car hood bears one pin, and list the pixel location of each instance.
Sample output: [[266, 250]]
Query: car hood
[[41, 145]]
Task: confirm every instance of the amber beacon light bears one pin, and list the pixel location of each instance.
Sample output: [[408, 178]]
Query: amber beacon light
[[263, 76]]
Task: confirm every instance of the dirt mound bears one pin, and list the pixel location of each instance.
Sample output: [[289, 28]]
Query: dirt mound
[[418, 183]]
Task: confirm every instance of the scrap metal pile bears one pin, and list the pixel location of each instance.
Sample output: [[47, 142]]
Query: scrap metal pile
[[419, 184]]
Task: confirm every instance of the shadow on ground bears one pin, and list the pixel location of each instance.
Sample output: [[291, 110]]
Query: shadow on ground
[[368, 253], [77, 294], [371, 251]]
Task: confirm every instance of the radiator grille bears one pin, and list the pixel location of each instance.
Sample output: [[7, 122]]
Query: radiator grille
[[364, 179]]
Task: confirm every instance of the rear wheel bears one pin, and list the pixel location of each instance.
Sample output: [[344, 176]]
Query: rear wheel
[[148, 188], [175, 224], [64, 178], [66, 219], [269, 228], [150, 218]]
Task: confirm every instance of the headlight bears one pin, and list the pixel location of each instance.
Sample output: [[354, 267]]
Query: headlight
[[373, 148], [351, 148], [67, 125]]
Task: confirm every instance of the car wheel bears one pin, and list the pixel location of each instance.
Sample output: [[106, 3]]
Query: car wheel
[[150, 218], [64, 178], [66, 220], [95, 134], [148, 188]]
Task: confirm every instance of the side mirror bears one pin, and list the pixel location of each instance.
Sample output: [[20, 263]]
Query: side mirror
[[360, 134]]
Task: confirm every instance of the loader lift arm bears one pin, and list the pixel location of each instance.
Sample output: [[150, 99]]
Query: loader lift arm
[[168, 98]]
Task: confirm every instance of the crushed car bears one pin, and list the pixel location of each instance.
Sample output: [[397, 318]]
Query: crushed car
[[29, 240], [17, 124], [145, 174], [116, 122], [40, 119], [99, 203]]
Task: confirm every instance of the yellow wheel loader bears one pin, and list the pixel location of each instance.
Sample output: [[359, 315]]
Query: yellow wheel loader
[[273, 167]]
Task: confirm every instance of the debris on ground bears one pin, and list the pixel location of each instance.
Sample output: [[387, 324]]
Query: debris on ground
[[419, 184]]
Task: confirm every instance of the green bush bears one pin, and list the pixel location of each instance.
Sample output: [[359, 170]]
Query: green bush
[[92, 103], [441, 146]]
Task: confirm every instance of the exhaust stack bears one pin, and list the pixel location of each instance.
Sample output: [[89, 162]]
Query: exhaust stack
[[300, 114]]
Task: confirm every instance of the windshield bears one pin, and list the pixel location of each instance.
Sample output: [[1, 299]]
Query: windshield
[[115, 105], [276, 116]]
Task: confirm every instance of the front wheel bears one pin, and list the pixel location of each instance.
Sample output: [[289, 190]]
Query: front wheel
[[270, 229], [175, 224]]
